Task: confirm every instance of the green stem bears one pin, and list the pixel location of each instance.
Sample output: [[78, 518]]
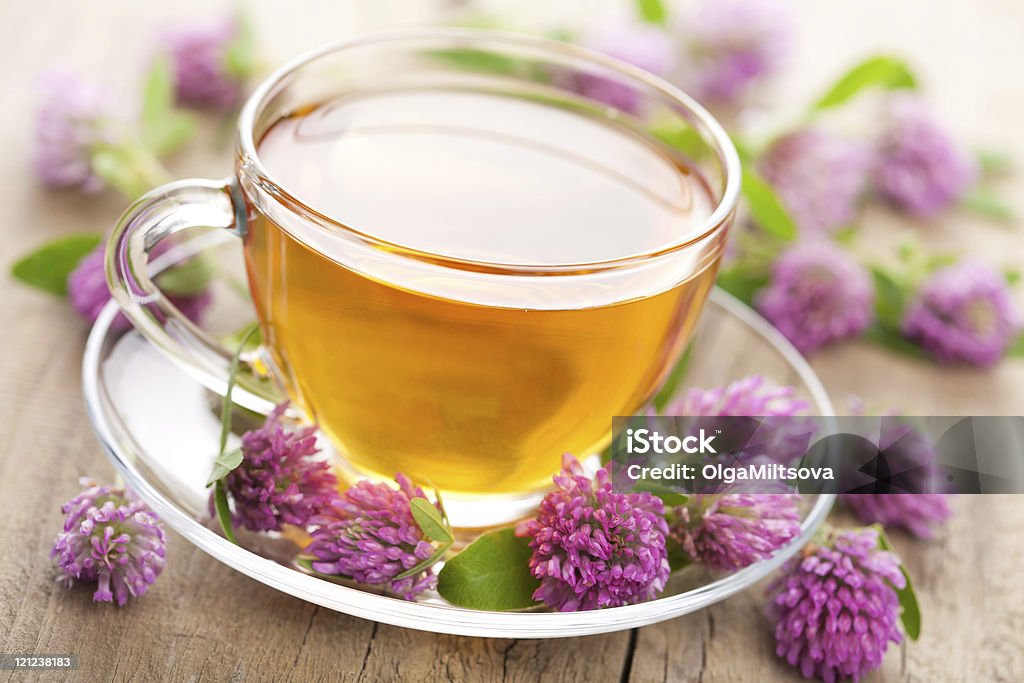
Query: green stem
[[220, 493], [226, 404]]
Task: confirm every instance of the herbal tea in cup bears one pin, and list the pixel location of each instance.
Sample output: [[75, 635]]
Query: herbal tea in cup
[[462, 273]]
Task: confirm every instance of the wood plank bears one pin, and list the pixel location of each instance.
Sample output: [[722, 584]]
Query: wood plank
[[401, 654]]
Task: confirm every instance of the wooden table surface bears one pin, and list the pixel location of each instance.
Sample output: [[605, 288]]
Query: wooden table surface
[[203, 621]]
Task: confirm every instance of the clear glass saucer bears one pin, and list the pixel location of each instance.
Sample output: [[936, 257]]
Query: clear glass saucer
[[158, 427]]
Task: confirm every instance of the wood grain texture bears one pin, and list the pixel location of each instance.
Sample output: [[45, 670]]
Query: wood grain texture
[[204, 622]]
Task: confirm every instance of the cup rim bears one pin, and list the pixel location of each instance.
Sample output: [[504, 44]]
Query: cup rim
[[705, 123]]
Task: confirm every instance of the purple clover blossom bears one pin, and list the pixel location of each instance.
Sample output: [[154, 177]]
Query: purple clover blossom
[[593, 547], [918, 513], [371, 536], [734, 530], [199, 55], [72, 119], [920, 169], [781, 435], [639, 44], [964, 313], [835, 607], [110, 538], [820, 178], [733, 44], [923, 506], [88, 292], [818, 294], [87, 287], [279, 481], [750, 396]]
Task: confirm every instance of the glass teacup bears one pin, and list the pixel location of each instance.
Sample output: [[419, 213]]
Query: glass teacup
[[467, 252]]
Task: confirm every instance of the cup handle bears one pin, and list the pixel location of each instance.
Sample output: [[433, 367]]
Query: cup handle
[[153, 217]]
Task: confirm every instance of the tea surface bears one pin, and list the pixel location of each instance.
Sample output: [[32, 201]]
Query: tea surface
[[485, 177]]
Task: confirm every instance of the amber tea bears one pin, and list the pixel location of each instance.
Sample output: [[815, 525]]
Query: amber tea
[[446, 349]]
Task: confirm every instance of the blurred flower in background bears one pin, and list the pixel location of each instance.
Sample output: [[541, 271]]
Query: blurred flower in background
[[88, 291], [964, 313], [639, 44], [730, 45], [920, 168], [917, 513], [818, 294], [72, 119], [821, 178], [911, 453], [212, 60]]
